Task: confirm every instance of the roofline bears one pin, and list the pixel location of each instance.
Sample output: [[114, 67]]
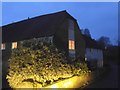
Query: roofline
[[39, 16]]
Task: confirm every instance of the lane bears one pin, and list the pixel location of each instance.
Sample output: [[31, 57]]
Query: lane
[[110, 80]]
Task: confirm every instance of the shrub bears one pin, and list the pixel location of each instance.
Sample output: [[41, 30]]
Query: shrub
[[37, 64]]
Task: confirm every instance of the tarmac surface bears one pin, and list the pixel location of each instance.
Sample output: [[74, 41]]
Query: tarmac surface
[[109, 80]]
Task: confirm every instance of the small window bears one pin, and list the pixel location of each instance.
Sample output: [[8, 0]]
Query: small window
[[2, 46], [14, 45], [71, 44]]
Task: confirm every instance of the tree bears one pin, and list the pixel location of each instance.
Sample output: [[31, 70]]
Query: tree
[[36, 64], [104, 41], [86, 32]]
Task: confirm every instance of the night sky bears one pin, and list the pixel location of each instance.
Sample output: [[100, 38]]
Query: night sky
[[100, 18]]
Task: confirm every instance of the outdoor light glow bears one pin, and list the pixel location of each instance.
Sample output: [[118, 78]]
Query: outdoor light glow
[[66, 84], [73, 82], [85, 59], [54, 86]]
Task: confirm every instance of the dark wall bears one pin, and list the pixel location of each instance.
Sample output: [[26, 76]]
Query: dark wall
[[79, 43], [5, 56], [60, 38], [7, 52]]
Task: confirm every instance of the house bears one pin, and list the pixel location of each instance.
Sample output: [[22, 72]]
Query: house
[[94, 53], [60, 28]]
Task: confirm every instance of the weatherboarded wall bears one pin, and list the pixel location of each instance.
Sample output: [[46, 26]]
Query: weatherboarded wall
[[79, 43], [60, 38], [95, 55]]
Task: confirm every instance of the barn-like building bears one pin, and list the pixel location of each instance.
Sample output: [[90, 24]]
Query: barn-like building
[[59, 28]]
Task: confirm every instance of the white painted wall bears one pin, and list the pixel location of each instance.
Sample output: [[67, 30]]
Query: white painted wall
[[71, 36], [94, 54]]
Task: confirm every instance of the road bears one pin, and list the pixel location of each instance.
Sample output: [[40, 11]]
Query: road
[[110, 80]]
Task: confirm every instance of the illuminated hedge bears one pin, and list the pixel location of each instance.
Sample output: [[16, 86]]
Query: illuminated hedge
[[37, 64]]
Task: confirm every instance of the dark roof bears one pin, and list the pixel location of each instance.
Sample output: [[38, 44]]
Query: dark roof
[[91, 43], [45, 25]]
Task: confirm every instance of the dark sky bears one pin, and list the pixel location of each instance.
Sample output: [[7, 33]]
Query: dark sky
[[101, 18]]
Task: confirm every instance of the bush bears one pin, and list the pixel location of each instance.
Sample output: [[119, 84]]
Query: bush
[[37, 64]]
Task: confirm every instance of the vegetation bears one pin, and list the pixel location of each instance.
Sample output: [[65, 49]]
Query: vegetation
[[104, 41], [35, 64], [111, 54], [86, 32]]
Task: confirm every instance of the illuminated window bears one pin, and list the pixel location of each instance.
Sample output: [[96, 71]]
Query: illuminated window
[[14, 45], [71, 44], [3, 46]]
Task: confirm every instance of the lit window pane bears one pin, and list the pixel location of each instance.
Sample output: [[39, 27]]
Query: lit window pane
[[2, 46], [14, 45], [71, 44]]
